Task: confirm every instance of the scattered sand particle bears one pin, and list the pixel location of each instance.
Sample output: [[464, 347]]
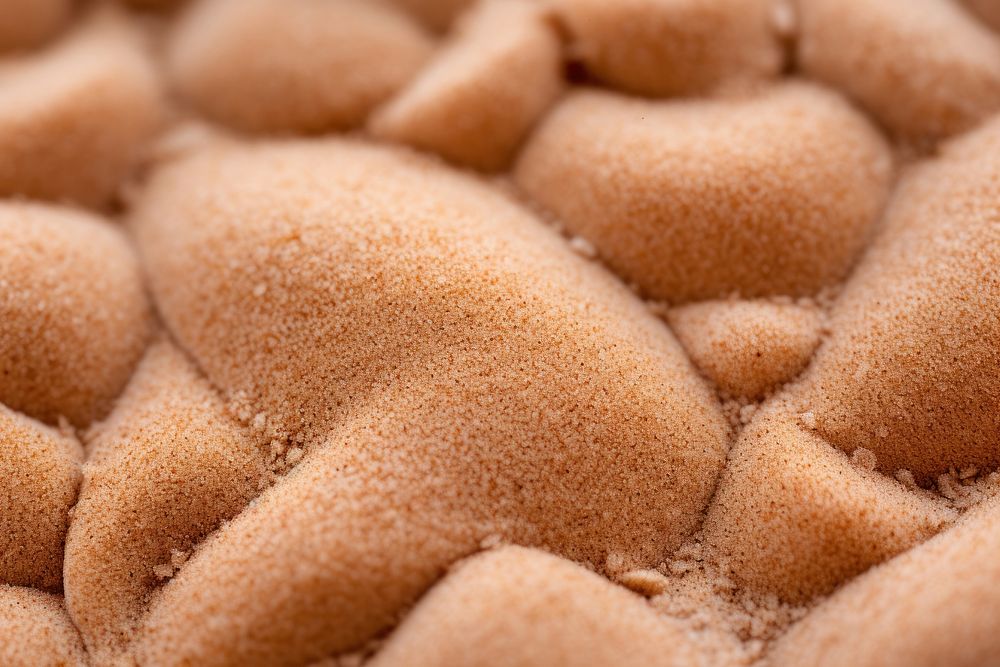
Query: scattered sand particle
[[645, 582], [905, 477], [864, 458], [583, 247], [178, 557]]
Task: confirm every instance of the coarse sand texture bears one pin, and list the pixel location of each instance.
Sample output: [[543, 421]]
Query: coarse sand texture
[[898, 609], [466, 620], [73, 312], [40, 482], [35, 630], [499, 333], [475, 103], [911, 371], [359, 301], [698, 199], [748, 348], [165, 469]]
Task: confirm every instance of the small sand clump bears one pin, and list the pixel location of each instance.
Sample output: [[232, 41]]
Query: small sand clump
[[475, 618], [673, 47], [73, 313], [305, 66], [747, 348], [925, 69], [694, 200], [477, 100], [730, 625]]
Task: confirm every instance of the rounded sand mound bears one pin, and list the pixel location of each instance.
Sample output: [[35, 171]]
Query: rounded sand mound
[[673, 47], [693, 199], [482, 94], [73, 312], [747, 348], [357, 305], [581, 619], [926, 70], [706, 371], [74, 118], [312, 65]]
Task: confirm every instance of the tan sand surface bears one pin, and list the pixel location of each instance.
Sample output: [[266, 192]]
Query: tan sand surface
[[520, 333]]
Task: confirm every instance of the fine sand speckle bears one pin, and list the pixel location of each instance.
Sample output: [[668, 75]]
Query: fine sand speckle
[[499, 332]]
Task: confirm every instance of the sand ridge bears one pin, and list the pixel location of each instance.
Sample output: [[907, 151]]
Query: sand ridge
[[587, 346]]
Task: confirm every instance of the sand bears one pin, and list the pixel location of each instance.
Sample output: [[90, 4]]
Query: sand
[[484, 91], [476, 615], [500, 332], [674, 47], [28, 23], [308, 66], [692, 199], [73, 312], [867, 49], [748, 348], [57, 140], [373, 349]]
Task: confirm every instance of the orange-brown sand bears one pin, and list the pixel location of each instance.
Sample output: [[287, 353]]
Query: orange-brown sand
[[499, 332]]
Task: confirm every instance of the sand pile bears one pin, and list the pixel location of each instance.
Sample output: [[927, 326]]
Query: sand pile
[[642, 333]]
